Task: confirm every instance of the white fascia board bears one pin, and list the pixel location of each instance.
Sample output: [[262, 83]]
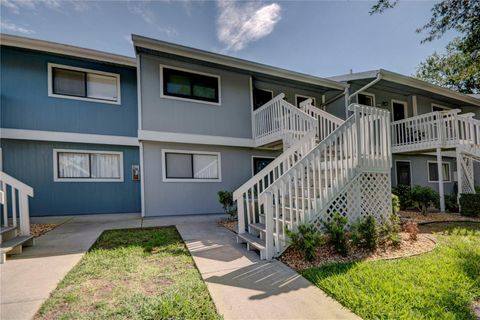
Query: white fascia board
[[216, 58], [355, 76], [38, 135], [64, 49], [159, 136]]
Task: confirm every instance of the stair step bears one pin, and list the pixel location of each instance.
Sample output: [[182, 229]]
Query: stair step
[[253, 240], [11, 244], [7, 233], [258, 226], [4, 230]]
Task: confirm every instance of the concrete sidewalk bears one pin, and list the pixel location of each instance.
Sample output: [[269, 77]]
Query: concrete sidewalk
[[26, 280], [244, 287]]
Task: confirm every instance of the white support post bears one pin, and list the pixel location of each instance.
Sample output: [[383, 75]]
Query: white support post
[[459, 176], [24, 215], [440, 179], [241, 215], [268, 205]]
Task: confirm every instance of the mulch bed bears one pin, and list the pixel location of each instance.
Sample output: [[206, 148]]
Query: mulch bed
[[326, 255], [231, 225], [39, 229], [420, 218]]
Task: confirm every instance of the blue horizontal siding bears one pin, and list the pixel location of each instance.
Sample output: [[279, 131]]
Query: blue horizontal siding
[[32, 163], [25, 103]]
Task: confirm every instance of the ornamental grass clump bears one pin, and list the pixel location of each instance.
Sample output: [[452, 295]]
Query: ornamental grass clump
[[306, 239], [365, 233], [336, 233]]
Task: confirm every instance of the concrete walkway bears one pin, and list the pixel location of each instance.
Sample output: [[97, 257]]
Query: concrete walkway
[[244, 287], [241, 286]]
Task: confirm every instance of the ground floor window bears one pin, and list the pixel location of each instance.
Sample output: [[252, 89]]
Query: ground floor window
[[433, 171], [259, 163], [87, 166], [181, 166], [403, 172]]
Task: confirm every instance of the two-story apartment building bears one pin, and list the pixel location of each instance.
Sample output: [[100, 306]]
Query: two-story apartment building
[[69, 126]]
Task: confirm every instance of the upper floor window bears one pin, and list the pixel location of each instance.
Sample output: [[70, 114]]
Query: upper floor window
[[83, 84], [366, 99], [300, 98], [260, 97], [179, 83]]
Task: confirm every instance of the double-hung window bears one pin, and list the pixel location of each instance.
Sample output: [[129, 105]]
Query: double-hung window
[[87, 166], [179, 83], [180, 166], [83, 84], [433, 171]]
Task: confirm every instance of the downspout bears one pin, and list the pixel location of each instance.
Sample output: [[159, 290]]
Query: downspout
[[365, 87]]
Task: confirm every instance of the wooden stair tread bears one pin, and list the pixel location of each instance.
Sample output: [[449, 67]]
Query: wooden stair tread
[[258, 226], [6, 229], [253, 240], [12, 243]]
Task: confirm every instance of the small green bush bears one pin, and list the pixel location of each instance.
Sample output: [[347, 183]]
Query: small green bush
[[451, 203], [404, 194], [395, 204], [424, 197], [365, 233], [306, 239], [336, 233], [389, 230], [226, 200], [470, 204]]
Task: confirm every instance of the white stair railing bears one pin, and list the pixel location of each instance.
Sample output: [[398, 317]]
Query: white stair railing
[[327, 122], [305, 192], [14, 200], [278, 120]]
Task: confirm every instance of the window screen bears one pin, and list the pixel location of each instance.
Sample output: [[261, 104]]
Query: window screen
[[69, 82], [191, 166], [88, 165]]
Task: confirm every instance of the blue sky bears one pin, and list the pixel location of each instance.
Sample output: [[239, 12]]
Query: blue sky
[[322, 38]]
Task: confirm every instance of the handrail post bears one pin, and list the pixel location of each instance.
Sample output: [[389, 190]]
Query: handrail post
[[241, 214], [358, 137], [24, 215], [268, 205]]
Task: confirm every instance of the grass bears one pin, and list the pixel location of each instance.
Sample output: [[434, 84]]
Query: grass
[[133, 274], [442, 284]]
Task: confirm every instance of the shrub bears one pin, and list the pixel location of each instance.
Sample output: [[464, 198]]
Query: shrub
[[424, 197], [389, 230], [470, 204], [395, 204], [226, 200], [336, 233], [411, 228], [365, 233], [305, 239], [451, 203], [404, 194]]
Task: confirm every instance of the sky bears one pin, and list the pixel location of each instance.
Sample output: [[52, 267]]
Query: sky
[[322, 38]]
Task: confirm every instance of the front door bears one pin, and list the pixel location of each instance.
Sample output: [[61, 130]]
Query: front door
[[403, 173], [399, 112]]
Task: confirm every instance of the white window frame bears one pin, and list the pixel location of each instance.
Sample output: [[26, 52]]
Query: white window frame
[[436, 181], [264, 157], [164, 167], [405, 107], [103, 73], [58, 179], [411, 171], [162, 95], [367, 94], [304, 96], [433, 104]]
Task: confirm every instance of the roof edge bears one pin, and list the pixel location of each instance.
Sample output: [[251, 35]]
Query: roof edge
[[189, 52], [65, 49]]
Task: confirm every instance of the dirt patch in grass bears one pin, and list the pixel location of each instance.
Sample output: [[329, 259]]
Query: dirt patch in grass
[[231, 225], [418, 217], [326, 255], [38, 229]]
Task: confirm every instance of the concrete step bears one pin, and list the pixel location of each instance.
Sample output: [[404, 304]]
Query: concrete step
[[14, 246], [7, 233]]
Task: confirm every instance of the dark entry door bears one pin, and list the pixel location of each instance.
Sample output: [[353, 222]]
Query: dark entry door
[[398, 111], [403, 173]]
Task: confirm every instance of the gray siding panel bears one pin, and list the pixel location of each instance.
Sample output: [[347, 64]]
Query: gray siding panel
[[181, 198]]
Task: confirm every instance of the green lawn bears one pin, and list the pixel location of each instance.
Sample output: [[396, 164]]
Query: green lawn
[[441, 284], [133, 274]]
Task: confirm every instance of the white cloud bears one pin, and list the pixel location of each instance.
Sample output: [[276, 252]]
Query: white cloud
[[8, 26], [16, 5], [148, 16], [238, 24]]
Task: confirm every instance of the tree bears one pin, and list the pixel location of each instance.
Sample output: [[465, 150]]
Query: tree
[[459, 67]]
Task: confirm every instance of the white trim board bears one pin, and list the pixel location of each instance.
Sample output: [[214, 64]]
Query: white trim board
[[164, 167], [38, 135], [161, 136], [50, 67], [55, 166], [65, 49]]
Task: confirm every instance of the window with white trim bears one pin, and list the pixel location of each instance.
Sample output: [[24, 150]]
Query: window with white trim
[[84, 84], [191, 166], [79, 165], [366, 99], [433, 171], [300, 98]]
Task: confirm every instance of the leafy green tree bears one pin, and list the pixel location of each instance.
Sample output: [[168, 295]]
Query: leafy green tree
[[459, 68]]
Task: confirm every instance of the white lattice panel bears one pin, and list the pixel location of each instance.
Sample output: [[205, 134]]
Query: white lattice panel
[[369, 194]]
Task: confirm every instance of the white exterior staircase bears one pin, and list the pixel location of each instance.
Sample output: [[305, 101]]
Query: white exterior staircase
[[15, 219], [328, 165]]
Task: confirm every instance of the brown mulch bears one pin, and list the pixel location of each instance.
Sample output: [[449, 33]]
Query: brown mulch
[[326, 255], [38, 229], [231, 225], [420, 218]]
